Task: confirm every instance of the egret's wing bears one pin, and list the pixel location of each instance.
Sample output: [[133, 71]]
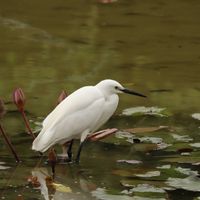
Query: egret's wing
[[78, 112], [76, 101]]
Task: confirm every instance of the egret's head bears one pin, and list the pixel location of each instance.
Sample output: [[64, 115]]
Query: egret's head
[[113, 87]]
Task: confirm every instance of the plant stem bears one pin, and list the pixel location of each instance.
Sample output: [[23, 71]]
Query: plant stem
[[27, 124], [9, 144]]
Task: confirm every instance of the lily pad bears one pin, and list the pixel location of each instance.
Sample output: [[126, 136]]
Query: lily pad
[[3, 167], [190, 183], [164, 167], [186, 171], [141, 110], [149, 174], [196, 116], [154, 140], [145, 188], [140, 130], [102, 194], [146, 191], [130, 161], [182, 138], [197, 145]]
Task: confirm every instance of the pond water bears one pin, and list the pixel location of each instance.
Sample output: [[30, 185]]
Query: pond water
[[150, 46]]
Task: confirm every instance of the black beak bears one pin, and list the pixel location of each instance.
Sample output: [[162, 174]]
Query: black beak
[[132, 92]]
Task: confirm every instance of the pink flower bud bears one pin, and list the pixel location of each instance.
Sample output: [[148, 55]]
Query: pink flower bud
[[19, 98], [62, 96]]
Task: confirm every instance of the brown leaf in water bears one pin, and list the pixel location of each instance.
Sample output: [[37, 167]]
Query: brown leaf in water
[[146, 129], [102, 134]]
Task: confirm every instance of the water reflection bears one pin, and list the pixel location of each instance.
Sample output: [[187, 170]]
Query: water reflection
[[77, 188]]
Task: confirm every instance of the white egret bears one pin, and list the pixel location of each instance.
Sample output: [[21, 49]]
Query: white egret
[[80, 114]]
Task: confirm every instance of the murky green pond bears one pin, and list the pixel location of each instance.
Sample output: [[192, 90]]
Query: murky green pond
[[150, 46]]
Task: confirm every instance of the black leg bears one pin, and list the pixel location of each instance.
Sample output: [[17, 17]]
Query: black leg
[[79, 152], [69, 151]]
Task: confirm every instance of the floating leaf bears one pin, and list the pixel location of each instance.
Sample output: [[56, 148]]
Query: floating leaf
[[182, 138], [187, 171], [146, 129], [190, 183], [146, 188], [154, 140], [102, 134], [130, 161], [138, 111], [149, 174], [130, 183], [125, 135], [4, 167], [197, 145], [196, 116], [164, 167], [101, 194]]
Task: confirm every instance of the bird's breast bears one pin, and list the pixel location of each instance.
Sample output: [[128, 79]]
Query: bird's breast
[[109, 108]]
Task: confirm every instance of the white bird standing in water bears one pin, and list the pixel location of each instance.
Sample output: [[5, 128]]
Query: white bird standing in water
[[80, 114]]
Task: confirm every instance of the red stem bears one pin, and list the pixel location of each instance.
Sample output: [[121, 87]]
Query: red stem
[[27, 124], [9, 144]]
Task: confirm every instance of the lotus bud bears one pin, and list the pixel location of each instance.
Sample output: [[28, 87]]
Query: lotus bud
[[19, 98], [62, 96]]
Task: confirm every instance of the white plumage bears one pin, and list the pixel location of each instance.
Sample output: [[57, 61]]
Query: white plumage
[[80, 114]]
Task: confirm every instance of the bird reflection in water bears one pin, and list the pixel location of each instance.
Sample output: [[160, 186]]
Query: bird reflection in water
[[77, 187]]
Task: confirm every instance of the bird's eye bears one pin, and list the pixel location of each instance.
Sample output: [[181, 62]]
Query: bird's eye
[[116, 87]]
